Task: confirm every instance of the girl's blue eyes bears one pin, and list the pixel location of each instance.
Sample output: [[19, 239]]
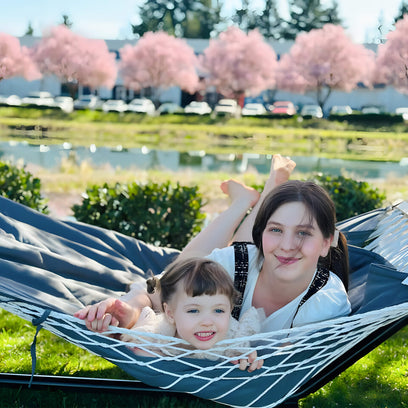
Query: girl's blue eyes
[[197, 311]]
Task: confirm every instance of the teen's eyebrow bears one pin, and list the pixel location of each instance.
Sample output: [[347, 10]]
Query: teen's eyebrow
[[308, 225]]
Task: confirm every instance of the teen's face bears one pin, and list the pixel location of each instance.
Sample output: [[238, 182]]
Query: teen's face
[[200, 320], [292, 244]]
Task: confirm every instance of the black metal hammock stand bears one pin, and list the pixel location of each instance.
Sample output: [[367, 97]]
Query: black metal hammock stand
[[51, 268]]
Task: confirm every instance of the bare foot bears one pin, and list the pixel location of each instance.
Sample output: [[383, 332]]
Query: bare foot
[[236, 190], [281, 169]]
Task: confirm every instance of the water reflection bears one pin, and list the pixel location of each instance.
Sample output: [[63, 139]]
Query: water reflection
[[143, 158]]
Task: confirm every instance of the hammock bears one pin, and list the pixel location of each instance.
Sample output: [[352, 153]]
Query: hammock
[[50, 268]]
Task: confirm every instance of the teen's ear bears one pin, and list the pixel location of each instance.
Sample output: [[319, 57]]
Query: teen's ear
[[326, 247], [168, 312]]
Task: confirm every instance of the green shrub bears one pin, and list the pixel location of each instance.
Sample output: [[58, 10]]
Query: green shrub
[[162, 214], [19, 185], [350, 197]]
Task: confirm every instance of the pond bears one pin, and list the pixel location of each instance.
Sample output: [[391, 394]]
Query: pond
[[50, 157]]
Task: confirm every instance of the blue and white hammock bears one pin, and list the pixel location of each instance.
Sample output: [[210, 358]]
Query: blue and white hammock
[[50, 268]]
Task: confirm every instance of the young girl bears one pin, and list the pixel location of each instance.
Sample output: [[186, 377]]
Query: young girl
[[197, 297]]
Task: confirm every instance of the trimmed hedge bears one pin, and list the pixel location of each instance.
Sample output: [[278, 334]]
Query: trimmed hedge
[[162, 214], [19, 185]]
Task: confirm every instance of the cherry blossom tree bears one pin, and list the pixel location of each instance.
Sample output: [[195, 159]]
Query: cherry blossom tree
[[392, 58], [160, 61], [323, 60], [75, 59], [15, 60], [239, 64]]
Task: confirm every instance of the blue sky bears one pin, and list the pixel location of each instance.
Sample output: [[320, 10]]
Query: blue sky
[[110, 19]]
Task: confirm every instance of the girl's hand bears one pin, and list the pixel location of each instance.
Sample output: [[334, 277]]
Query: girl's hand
[[250, 363], [109, 312]]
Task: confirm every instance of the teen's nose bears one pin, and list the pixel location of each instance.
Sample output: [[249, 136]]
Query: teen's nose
[[288, 241]]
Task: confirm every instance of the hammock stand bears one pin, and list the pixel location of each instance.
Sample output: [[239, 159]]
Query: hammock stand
[[50, 268]]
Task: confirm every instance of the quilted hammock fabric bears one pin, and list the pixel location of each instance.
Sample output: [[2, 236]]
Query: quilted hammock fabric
[[50, 268]]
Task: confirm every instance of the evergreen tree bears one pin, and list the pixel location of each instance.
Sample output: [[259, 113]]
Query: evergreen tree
[[181, 18], [244, 17], [403, 9], [66, 21], [30, 30], [269, 22], [306, 15]]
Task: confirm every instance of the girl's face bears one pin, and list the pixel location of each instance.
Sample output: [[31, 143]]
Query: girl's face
[[200, 320], [292, 244]]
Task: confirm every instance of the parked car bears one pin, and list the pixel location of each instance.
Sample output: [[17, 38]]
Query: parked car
[[169, 107], [142, 105], [341, 110], [283, 108], [314, 111], [227, 107], [372, 109], [87, 102], [10, 100], [403, 112], [114, 105], [65, 103], [253, 109], [39, 99], [198, 108]]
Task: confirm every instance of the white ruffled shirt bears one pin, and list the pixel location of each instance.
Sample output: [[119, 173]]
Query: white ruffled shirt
[[329, 302]]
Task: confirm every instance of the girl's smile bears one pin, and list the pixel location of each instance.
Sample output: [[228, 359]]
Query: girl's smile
[[292, 244], [200, 320]]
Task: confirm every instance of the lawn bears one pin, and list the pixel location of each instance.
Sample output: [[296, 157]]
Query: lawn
[[378, 380]]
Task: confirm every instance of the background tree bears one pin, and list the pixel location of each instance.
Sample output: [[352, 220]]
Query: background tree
[[269, 23], [181, 18], [66, 21], [159, 60], [306, 15], [15, 60], [244, 17], [403, 9], [323, 60], [75, 60], [239, 64], [30, 30], [392, 58]]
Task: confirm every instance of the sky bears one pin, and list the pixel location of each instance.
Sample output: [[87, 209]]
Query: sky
[[111, 19]]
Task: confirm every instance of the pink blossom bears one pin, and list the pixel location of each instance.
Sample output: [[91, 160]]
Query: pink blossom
[[237, 63], [325, 59], [16, 60], [392, 58], [73, 58], [159, 60]]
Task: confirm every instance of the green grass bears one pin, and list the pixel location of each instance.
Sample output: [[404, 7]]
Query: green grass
[[378, 380], [214, 135]]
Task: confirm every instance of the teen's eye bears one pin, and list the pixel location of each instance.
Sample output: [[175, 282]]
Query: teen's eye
[[304, 233], [274, 229]]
